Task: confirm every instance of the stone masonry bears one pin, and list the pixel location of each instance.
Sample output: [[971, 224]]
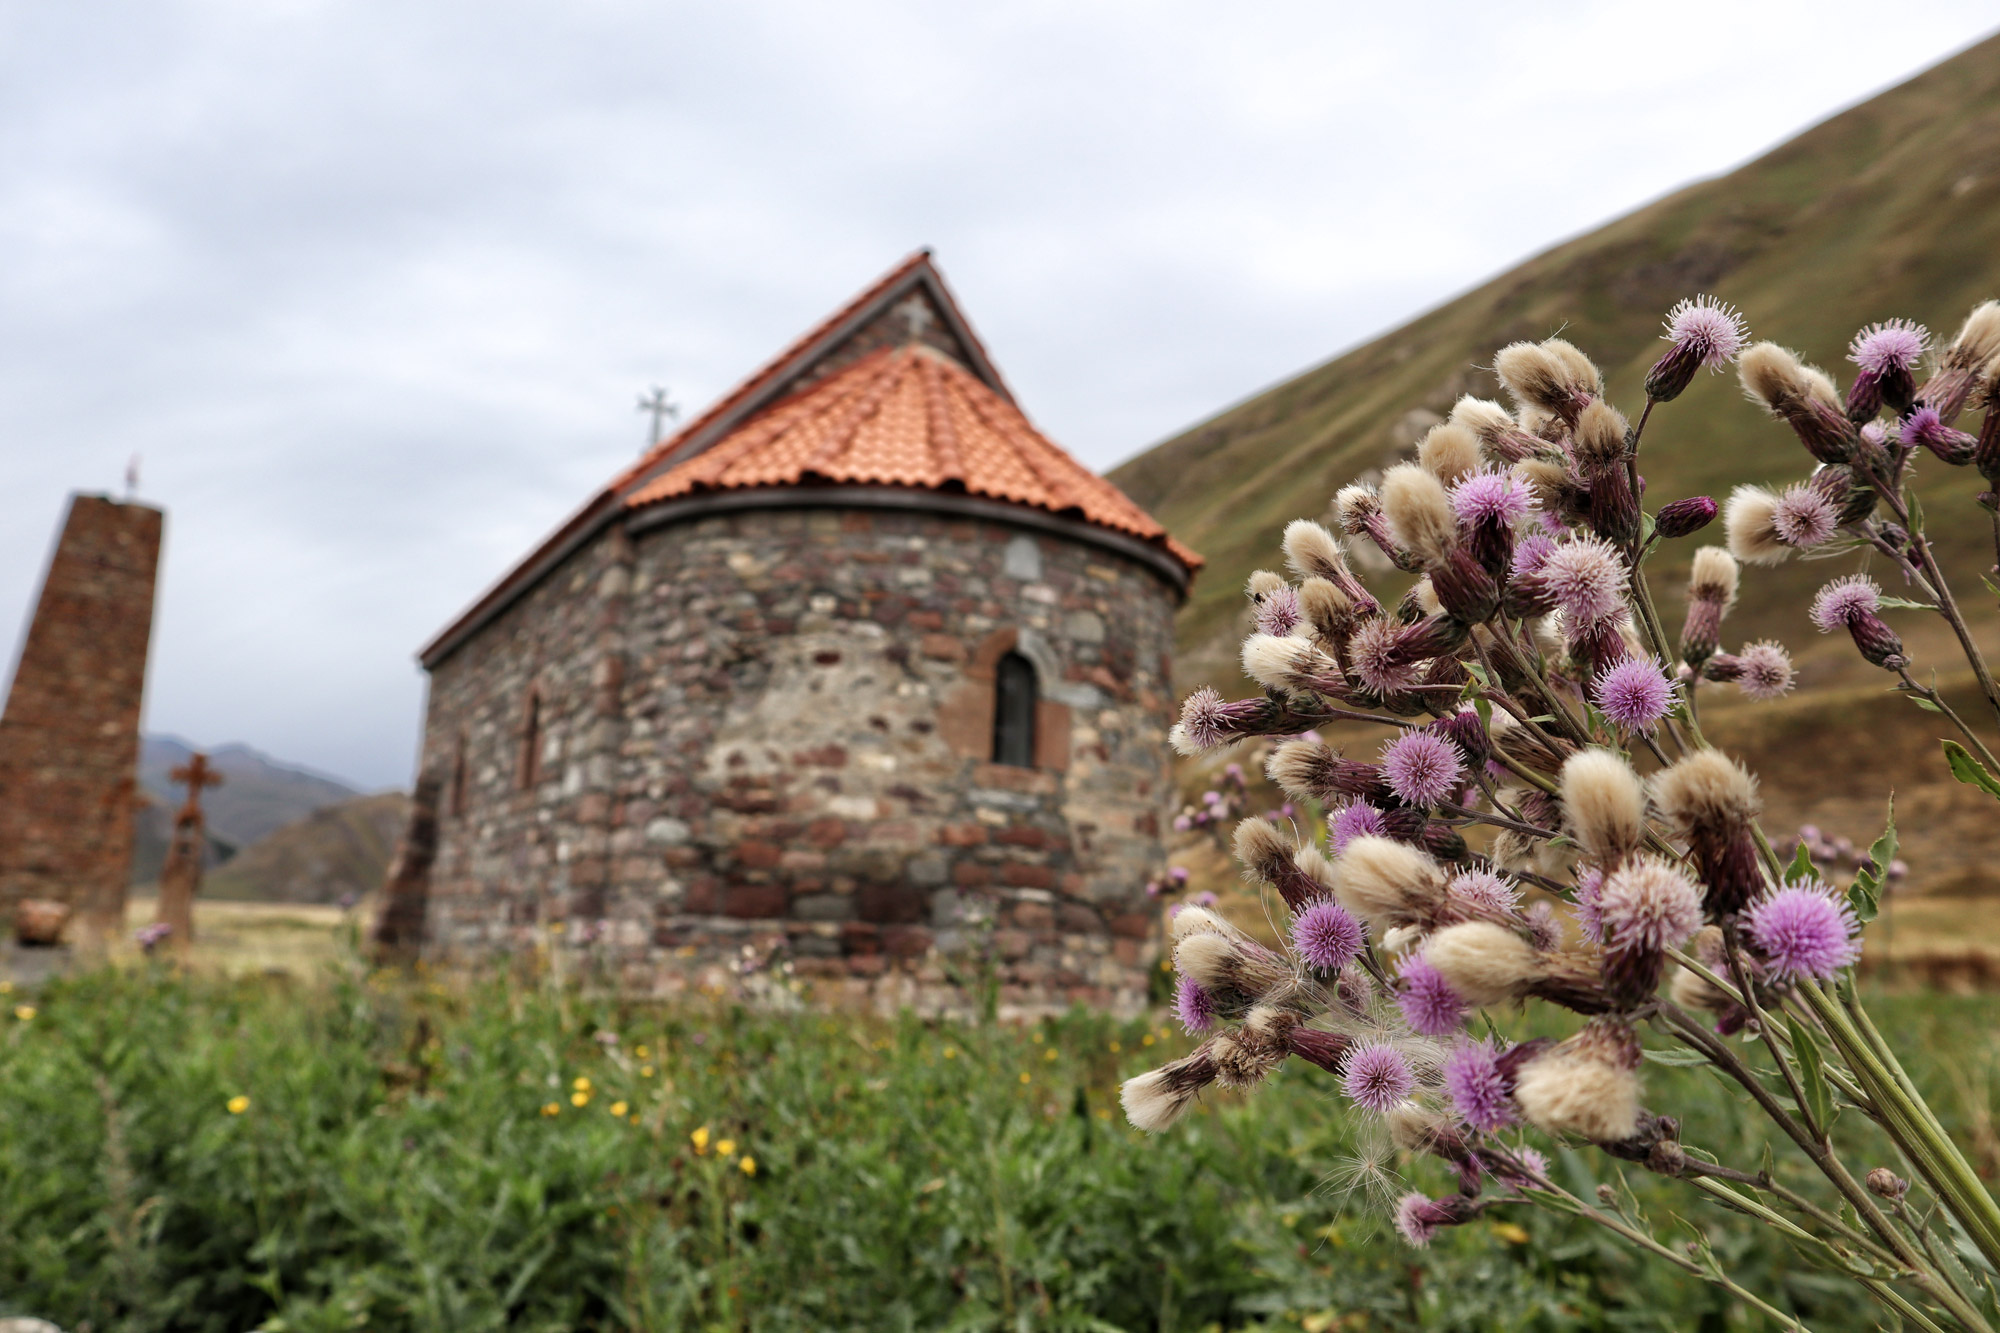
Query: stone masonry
[[69, 739], [770, 730]]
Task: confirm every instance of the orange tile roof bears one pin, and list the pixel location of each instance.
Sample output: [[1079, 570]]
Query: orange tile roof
[[907, 416]]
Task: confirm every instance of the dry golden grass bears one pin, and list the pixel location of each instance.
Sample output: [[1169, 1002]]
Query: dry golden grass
[[238, 938]]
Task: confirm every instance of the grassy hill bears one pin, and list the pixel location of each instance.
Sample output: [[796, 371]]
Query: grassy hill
[[1889, 209], [339, 849]]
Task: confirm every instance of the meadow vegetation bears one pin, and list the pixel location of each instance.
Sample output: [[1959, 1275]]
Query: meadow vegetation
[[190, 1151]]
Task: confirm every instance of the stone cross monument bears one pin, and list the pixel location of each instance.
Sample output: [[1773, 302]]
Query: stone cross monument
[[180, 878]]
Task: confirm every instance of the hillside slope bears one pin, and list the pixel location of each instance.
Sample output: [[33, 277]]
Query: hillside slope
[[1889, 209], [341, 849]]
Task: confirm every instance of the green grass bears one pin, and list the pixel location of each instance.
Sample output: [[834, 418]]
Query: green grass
[[396, 1168]]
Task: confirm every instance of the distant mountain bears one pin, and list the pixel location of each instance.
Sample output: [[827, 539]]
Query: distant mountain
[[259, 795], [339, 849], [1891, 208]]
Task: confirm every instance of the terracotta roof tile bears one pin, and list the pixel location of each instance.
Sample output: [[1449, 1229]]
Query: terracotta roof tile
[[907, 416]]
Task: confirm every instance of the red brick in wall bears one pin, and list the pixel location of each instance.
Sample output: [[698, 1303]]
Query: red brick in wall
[[69, 739]]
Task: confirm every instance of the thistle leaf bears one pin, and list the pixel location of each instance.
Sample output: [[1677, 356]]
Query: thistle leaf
[[1969, 770], [1805, 1048]]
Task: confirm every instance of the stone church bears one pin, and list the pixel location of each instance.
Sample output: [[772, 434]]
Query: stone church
[[857, 670]]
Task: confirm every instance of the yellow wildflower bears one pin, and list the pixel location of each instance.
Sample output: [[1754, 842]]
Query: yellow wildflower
[[24, 1012], [555, 927], [700, 1139], [581, 1085], [726, 1147], [6, 988], [1511, 1232], [619, 1108], [640, 1051], [1050, 1053], [1024, 1076], [1146, 1040], [238, 1104], [645, 1071], [951, 1052], [1117, 1046], [552, 1108], [635, 1117], [748, 1166], [1036, 1037], [579, 1099]]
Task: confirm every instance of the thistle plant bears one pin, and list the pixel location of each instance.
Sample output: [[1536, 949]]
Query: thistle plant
[[1541, 820]]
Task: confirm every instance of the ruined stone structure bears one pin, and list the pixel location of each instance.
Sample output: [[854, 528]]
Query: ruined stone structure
[[857, 670], [69, 739], [180, 876]]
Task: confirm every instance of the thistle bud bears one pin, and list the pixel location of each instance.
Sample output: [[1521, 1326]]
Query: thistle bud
[[1208, 721], [1887, 354], [1701, 332], [1612, 505], [1711, 592], [1803, 397], [1886, 1184], [1683, 518], [1986, 452], [1959, 369], [1465, 590], [1604, 805], [1154, 1101], [1464, 729], [1418, 1216], [1710, 801], [1496, 430]]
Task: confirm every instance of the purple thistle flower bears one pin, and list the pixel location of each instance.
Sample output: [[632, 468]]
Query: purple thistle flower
[[1589, 884], [1804, 518], [1767, 670], [1711, 330], [1635, 694], [1586, 577], [1278, 612], [1327, 936], [1927, 427], [1194, 1007], [1648, 904], [1377, 1077], [1803, 931], [1428, 1003], [1494, 496], [1893, 345], [1356, 819], [1414, 1219], [1478, 1090], [1422, 769], [1202, 719], [1488, 890], [1373, 654], [1842, 600], [1531, 552]]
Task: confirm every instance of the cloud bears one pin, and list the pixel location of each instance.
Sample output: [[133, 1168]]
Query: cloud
[[372, 286]]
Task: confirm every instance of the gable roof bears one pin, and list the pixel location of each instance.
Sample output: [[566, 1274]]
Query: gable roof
[[893, 389]]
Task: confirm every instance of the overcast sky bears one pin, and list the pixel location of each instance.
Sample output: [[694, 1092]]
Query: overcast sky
[[371, 287]]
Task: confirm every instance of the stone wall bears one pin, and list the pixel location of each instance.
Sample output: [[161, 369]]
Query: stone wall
[[69, 739], [770, 730]]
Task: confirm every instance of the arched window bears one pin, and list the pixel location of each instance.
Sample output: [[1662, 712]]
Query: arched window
[[531, 741], [1014, 711]]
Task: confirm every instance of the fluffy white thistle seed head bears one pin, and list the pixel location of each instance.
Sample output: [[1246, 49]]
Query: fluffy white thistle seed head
[[1714, 577], [1450, 452], [1312, 551], [1419, 512], [1751, 520], [1604, 805], [1485, 963], [1381, 881]]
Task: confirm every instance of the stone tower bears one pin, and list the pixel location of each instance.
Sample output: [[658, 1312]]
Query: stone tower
[[857, 669], [69, 739]]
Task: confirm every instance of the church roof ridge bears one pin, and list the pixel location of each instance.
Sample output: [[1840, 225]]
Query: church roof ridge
[[953, 426]]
